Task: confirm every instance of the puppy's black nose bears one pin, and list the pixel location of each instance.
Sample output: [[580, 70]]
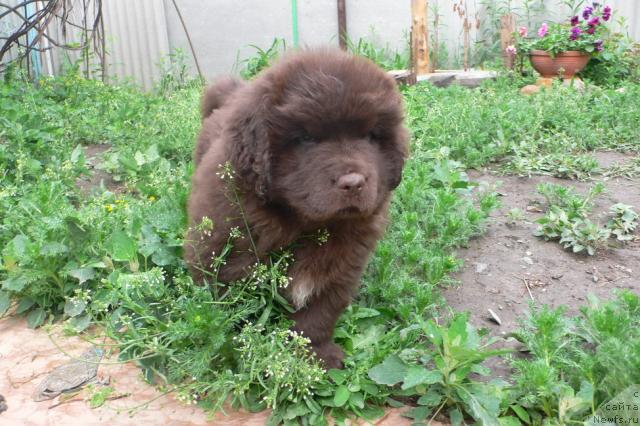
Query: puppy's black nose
[[351, 182]]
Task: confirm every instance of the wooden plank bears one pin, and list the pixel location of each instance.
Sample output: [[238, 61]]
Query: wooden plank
[[419, 36], [342, 24], [507, 28]]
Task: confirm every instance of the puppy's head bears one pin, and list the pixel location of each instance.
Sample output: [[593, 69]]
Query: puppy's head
[[321, 132]]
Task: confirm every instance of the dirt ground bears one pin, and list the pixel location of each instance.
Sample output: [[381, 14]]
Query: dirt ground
[[507, 262]]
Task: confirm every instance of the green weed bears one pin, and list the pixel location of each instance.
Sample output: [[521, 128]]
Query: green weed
[[439, 374], [567, 220], [576, 363]]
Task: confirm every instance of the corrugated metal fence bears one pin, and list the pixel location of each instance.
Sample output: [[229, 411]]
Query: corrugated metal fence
[[141, 33]]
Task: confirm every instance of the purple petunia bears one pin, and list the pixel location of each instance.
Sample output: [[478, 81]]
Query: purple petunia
[[575, 33], [588, 11], [591, 30], [606, 13], [575, 21], [598, 45], [594, 21]]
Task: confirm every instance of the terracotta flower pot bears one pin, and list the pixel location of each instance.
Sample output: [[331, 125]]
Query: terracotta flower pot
[[566, 63]]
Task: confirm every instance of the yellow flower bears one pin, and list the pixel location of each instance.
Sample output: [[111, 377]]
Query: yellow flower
[[152, 198], [109, 207]]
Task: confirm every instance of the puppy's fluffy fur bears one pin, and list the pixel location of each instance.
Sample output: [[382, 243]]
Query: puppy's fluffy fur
[[316, 143]]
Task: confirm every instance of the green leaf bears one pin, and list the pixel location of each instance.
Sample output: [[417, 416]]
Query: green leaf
[[18, 246], [83, 274], [99, 397], [433, 332], [139, 158], [482, 404], [365, 313], [391, 371], [418, 375], [128, 163], [80, 323], [370, 388], [338, 376], [522, 413], [77, 155], [53, 249], [342, 396], [357, 399], [431, 398], [371, 412], [394, 403], [456, 418], [122, 247], [152, 154], [509, 421], [36, 318], [163, 257], [296, 410], [369, 337], [15, 283], [417, 413], [74, 308], [24, 305], [5, 302]]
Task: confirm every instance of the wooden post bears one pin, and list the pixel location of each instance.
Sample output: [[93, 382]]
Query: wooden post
[[507, 28], [436, 42], [419, 36], [342, 24]]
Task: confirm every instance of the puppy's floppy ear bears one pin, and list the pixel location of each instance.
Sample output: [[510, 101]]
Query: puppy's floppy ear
[[250, 153], [397, 156], [218, 94]]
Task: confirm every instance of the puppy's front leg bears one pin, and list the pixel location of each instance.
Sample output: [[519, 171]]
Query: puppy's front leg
[[317, 318]]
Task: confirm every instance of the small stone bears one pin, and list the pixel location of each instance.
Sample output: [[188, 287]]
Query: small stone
[[527, 260], [481, 267], [557, 276], [528, 253], [530, 89], [574, 83], [544, 82]]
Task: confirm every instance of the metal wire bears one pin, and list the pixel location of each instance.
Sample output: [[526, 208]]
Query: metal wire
[[83, 33]]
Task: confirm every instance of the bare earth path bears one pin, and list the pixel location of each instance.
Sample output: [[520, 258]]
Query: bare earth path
[[500, 264]]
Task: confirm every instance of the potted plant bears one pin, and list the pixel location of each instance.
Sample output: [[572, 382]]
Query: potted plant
[[564, 49]]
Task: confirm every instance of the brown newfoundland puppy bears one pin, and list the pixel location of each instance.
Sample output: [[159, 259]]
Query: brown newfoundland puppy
[[316, 143]]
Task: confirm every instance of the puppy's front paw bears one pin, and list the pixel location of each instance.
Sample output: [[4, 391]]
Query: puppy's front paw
[[330, 354]]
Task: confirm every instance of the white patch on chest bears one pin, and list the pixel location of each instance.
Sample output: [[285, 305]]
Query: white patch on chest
[[302, 289]]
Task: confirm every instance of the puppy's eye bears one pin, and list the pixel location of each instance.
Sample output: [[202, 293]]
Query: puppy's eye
[[375, 136], [304, 139]]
